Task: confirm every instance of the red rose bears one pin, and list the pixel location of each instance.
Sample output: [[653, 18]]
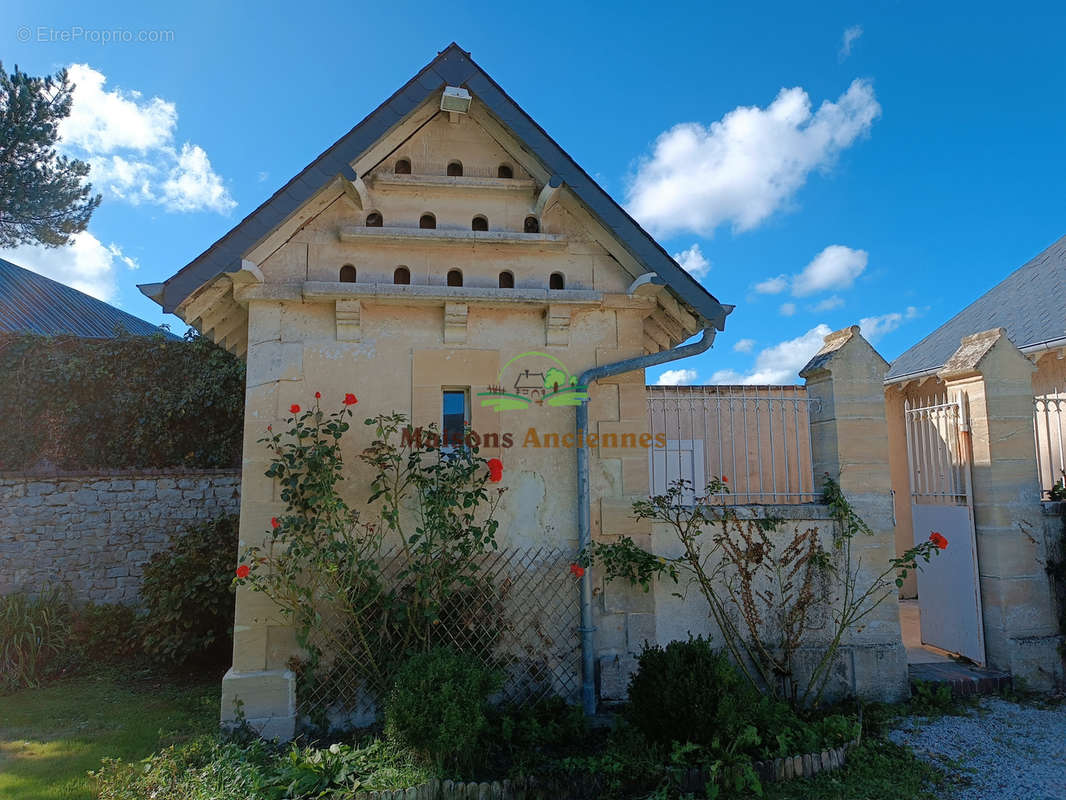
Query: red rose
[[349, 399], [274, 522], [243, 570], [294, 409], [318, 395], [577, 570], [495, 470], [270, 427], [725, 479], [938, 539]]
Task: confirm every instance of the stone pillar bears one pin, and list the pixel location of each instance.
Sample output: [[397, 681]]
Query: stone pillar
[[849, 442], [259, 682], [994, 380], [901, 488]]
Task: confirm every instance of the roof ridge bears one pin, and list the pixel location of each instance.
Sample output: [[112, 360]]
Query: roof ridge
[[452, 66], [30, 301], [930, 341]]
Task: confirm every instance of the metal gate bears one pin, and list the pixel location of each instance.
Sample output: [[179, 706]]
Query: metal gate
[[949, 594]]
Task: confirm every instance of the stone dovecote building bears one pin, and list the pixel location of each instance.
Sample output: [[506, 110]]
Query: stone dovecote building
[[441, 237]]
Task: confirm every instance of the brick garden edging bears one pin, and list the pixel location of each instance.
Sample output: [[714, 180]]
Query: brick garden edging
[[779, 769]]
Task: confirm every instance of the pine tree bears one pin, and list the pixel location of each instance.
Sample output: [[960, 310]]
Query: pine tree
[[44, 197]]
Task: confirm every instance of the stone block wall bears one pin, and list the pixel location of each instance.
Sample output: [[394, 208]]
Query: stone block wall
[[93, 531]]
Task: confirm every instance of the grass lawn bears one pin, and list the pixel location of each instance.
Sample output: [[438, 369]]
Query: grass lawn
[[51, 737]]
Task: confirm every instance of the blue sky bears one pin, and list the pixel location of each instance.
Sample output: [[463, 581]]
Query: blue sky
[[832, 164]]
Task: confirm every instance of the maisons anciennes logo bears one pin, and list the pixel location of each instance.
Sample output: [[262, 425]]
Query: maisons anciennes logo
[[533, 378], [536, 378]]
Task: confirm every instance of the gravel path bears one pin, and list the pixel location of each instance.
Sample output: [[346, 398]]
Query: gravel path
[[1004, 750]]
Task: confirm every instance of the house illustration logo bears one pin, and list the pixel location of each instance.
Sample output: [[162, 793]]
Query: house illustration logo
[[533, 378]]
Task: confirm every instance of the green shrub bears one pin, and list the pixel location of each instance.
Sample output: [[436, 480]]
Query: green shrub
[[210, 768], [438, 707], [130, 401], [189, 599], [34, 636], [106, 633], [689, 692], [522, 738]]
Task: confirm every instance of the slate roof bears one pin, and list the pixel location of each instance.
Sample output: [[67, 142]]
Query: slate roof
[[32, 303], [1030, 303], [452, 67]]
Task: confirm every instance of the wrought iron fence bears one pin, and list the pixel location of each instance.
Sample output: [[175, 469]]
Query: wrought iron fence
[[937, 454], [1049, 424], [757, 437], [521, 616]]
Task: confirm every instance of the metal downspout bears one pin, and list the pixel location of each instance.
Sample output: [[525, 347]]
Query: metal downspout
[[584, 521]]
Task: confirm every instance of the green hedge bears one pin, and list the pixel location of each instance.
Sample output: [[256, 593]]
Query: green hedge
[[133, 401]]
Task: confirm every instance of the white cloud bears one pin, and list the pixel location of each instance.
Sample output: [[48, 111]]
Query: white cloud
[[744, 346], [693, 260], [193, 185], [129, 142], [873, 328], [744, 167], [913, 312], [772, 285], [831, 302], [102, 122], [836, 268], [780, 363], [129, 261], [851, 35], [787, 309], [86, 263], [677, 377]]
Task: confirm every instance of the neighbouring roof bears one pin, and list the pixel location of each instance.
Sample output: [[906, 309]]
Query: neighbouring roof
[[32, 303], [1030, 304], [452, 67]]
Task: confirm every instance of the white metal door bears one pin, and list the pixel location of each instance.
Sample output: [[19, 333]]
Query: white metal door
[[949, 593], [680, 459]]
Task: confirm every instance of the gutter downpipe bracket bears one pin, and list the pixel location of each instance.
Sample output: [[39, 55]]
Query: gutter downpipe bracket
[[584, 519]]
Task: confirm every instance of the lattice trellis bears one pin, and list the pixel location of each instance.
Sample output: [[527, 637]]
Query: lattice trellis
[[522, 616]]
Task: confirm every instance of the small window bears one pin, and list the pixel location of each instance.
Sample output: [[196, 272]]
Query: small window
[[506, 279], [427, 221], [403, 167], [532, 225], [455, 417], [455, 168], [479, 223], [455, 277], [504, 171], [557, 281], [402, 276], [347, 274], [374, 220]]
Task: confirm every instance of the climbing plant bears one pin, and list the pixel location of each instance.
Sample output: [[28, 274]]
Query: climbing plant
[[321, 561], [131, 401], [765, 589]]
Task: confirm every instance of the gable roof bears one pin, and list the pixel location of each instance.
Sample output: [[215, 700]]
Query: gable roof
[[1030, 303], [452, 67], [32, 303]]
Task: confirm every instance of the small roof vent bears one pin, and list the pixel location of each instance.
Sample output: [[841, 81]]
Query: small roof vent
[[455, 100]]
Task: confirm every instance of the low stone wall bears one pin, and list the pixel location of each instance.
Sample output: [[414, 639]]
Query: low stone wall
[[871, 663], [93, 531], [1055, 556]]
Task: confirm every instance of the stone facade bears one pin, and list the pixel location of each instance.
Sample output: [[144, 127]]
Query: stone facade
[[399, 345], [93, 532], [995, 383]]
